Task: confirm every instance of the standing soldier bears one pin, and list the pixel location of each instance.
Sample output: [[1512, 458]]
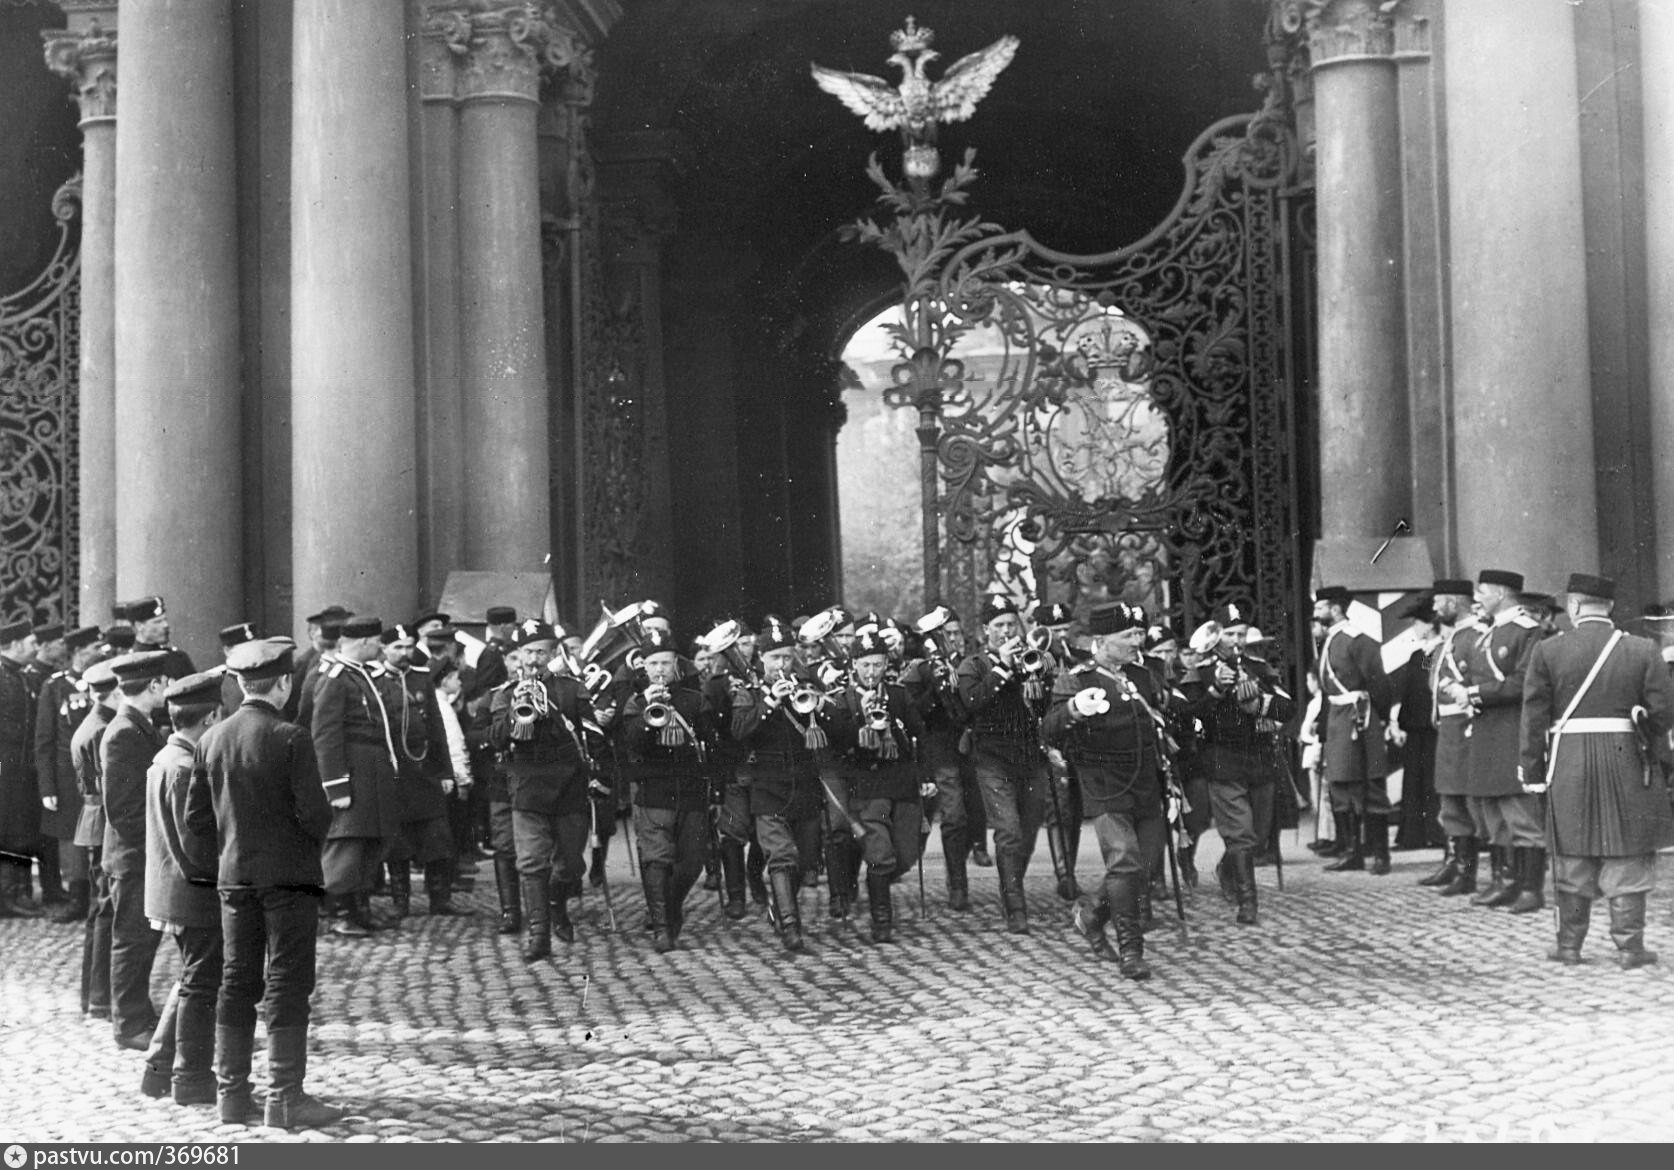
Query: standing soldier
[[1596, 705], [878, 729], [666, 732], [423, 777], [538, 721], [90, 836], [125, 752], [1451, 712], [151, 634], [20, 801], [1106, 718], [1495, 667], [256, 792], [324, 630], [350, 728], [180, 898], [929, 683], [1005, 702], [1229, 695], [59, 710], [782, 722], [1354, 711]]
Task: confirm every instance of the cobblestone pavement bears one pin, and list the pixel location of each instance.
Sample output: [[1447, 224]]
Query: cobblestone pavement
[[1362, 1008]]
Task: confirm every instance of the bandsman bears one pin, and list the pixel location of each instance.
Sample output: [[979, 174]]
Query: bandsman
[[1049, 637], [930, 684]]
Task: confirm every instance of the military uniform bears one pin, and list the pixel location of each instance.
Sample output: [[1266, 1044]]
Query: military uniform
[[929, 683], [20, 800], [1116, 750], [1495, 664], [1608, 804], [90, 836], [1353, 714], [1063, 796], [423, 780], [257, 796], [1450, 712]]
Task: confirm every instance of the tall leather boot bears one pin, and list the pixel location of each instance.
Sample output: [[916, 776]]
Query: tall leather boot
[[558, 906], [1149, 892], [194, 1052], [1512, 864], [956, 848], [1341, 834], [1627, 930], [1090, 919], [1465, 855], [438, 888], [1353, 853], [537, 902], [288, 1106], [1449, 868], [596, 863], [1377, 843], [401, 888], [1244, 886], [1497, 877], [510, 889], [839, 871], [654, 879], [732, 877], [882, 910], [755, 871], [52, 878], [159, 1058], [1574, 915], [1226, 878], [15, 901], [1531, 887], [1011, 892], [237, 1101], [1130, 939], [75, 910], [786, 913]]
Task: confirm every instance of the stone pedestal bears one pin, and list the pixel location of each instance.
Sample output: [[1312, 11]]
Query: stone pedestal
[[1365, 472], [86, 55], [1656, 54], [353, 448], [1522, 402], [179, 514]]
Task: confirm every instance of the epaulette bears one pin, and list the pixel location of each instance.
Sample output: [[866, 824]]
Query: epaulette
[[58, 674], [331, 669], [1524, 620], [376, 669], [415, 669]]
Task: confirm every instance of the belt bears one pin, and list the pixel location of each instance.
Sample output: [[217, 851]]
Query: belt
[[1598, 726], [1445, 710], [1346, 700]]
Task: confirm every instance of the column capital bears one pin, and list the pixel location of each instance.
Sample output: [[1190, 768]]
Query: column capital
[[87, 57], [501, 52], [1349, 30]]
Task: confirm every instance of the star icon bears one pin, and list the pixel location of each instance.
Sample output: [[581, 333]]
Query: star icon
[[16, 1156]]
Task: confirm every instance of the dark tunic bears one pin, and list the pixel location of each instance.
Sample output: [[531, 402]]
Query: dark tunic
[[881, 764], [670, 774], [354, 751], [1116, 755], [1495, 662], [780, 767], [421, 743], [59, 710], [1452, 720], [84, 752], [20, 798], [1352, 733], [548, 772], [1607, 797], [125, 754], [1232, 745]]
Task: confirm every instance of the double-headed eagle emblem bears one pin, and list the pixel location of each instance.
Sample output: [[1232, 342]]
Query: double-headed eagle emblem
[[917, 105]]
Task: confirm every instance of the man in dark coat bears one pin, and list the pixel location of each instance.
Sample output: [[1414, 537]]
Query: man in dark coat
[[1356, 697], [125, 753], [423, 776], [90, 836], [256, 792], [20, 801], [180, 899], [1597, 706], [63, 703], [929, 683]]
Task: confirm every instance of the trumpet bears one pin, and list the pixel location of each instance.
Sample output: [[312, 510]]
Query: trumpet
[[877, 716], [806, 700], [658, 713], [529, 703]]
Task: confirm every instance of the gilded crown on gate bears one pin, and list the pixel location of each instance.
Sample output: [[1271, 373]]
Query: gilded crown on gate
[[911, 39]]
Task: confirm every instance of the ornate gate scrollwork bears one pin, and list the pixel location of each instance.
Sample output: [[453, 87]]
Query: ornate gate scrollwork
[[39, 352]]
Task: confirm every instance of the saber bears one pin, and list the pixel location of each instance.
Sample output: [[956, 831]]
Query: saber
[[604, 873]]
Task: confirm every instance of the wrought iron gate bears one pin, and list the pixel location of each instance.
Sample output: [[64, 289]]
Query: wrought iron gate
[[39, 355]]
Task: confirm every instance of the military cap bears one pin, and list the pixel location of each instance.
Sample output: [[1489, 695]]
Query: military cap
[[1230, 614], [997, 605], [935, 620], [362, 627], [1337, 594], [776, 634], [1159, 636], [1054, 613], [869, 642], [144, 609], [500, 615], [1453, 587], [1544, 602], [658, 640], [1591, 586], [140, 666], [49, 633], [432, 618], [203, 687], [1114, 618], [262, 658], [15, 632], [1505, 577], [534, 630], [1659, 611], [233, 635], [100, 677], [85, 636], [331, 613], [118, 637], [858, 621], [119, 611], [652, 609], [397, 633]]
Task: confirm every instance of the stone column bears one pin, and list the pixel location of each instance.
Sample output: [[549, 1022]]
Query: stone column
[[353, 445], [1656, 55], [1522, 402], [1365, 473], [86, 54], [179, 510], [503, 353]]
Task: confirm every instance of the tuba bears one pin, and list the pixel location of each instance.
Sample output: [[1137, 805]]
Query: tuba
[[615, 641]]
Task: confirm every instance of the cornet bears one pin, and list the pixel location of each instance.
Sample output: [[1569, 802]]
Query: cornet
[[806, 700], [529, 703], [877, 715], [658, 713]]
